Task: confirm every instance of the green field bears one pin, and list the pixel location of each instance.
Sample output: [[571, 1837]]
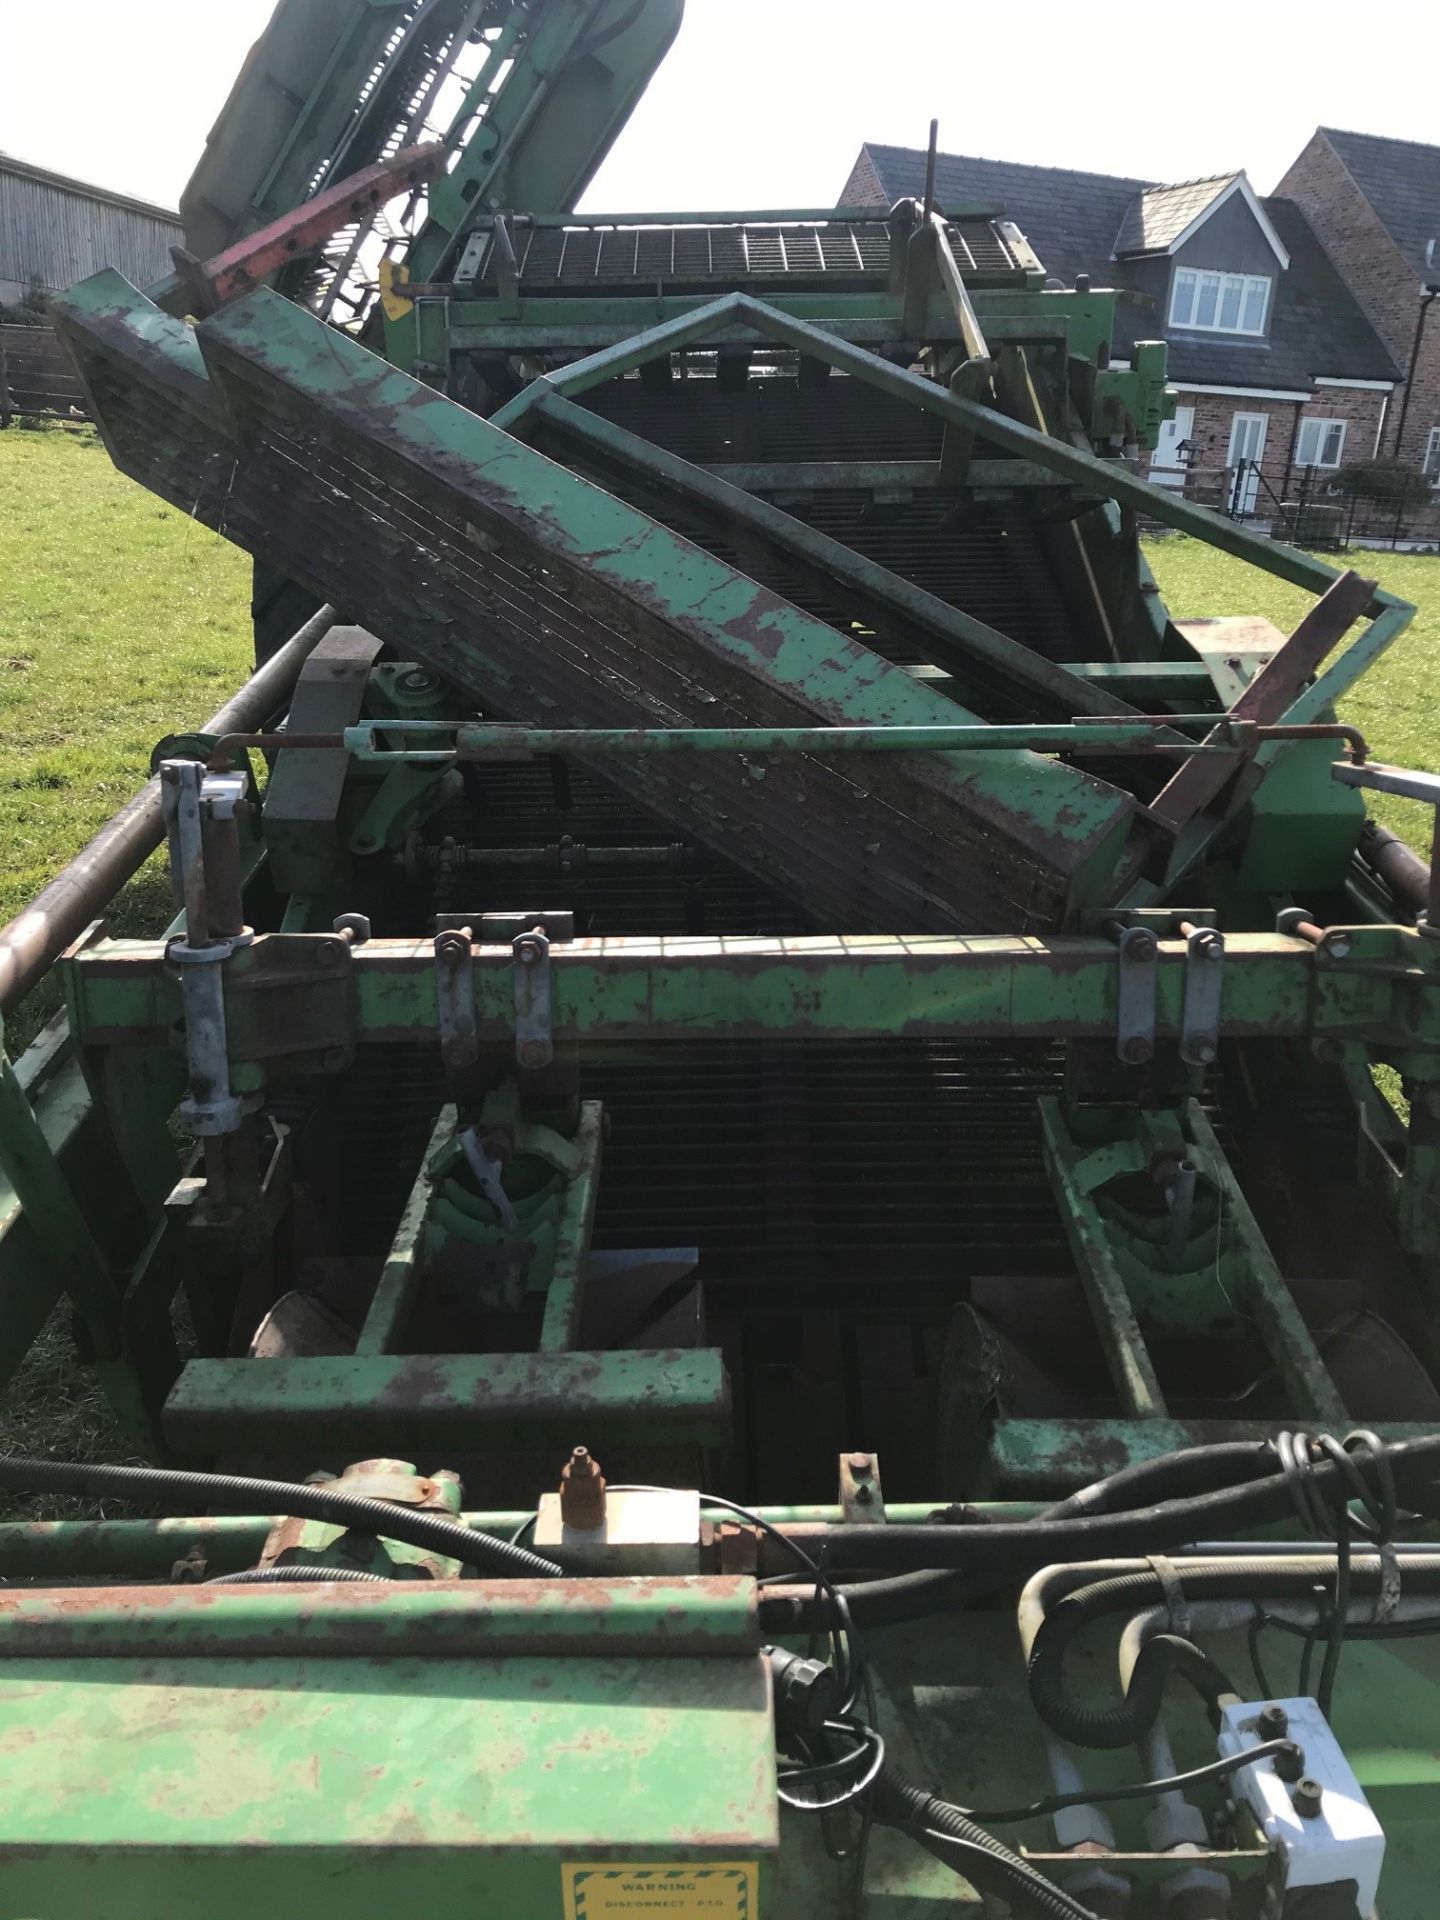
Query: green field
[[120, 621]]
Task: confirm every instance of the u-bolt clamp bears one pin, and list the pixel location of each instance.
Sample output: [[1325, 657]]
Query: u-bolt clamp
[[202, 824]]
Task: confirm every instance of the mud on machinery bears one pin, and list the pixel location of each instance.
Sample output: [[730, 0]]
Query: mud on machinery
[[775, 1079]]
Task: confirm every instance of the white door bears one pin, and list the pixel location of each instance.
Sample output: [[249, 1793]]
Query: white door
[[1247, 450], [1172, 449]]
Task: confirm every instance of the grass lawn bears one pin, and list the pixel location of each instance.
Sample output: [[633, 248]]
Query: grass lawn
[[121, 621]]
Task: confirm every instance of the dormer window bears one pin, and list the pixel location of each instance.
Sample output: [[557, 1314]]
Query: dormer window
[[1219, 302]]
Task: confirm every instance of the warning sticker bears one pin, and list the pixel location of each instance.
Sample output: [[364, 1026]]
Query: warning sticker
[[661, 1890]]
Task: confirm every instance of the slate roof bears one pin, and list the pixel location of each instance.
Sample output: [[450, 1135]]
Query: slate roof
[[1401, 180], [1072, 220], [1158, 215], [1317, 326]]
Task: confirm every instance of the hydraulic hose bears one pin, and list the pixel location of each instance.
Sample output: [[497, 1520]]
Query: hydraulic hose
[[1126, 1724], [952, 1561], [1273, 1577], [377, 1517], [989, 1865], [997, 1553], [1170, 1477]]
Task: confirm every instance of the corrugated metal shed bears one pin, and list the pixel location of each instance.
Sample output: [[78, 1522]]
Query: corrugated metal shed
[[63, 230]]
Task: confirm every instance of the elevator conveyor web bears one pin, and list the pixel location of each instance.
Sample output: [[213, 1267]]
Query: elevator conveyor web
[[554, 602]]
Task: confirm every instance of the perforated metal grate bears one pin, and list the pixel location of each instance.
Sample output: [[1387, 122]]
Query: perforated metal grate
[[575, 258]]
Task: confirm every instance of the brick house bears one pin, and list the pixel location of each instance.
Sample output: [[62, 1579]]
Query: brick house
[[1375, 202], [1276, 367]]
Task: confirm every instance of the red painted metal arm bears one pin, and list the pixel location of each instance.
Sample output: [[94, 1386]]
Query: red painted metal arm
[[262, 253]]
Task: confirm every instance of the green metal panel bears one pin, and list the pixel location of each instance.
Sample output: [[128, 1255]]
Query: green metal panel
[[1030, 1459], [432, 1403], [819, 987], [291, 1775], [551, 119]]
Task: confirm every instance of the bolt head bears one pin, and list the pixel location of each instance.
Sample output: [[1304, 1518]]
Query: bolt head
[[1307, 1798], [1272, 1722], [1137, 1051], [534, 1053]]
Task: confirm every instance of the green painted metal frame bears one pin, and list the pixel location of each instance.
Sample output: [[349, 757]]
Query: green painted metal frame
[[1380, 992], [1031, 1458], [1070, 464], [400, 1277], [1377, 993], [1238, 1265], [1076, 465], [962, 638], [554, 321], [429, 1403]]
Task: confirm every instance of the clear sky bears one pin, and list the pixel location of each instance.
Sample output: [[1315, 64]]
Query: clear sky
[[766, 102]]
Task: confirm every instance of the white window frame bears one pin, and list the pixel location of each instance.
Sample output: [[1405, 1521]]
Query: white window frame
[[1430, 462], [1187, 282], [1320, 425]]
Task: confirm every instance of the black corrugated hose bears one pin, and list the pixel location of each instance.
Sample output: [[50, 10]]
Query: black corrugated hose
[[290, 1575], [377, 1517], [987, 1863]]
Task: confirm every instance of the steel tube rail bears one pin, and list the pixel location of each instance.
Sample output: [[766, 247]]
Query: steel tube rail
[[481, 740], [60, 912]]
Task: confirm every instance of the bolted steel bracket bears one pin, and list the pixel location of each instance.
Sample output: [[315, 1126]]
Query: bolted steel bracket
[[1200, 1008], [1135, 996], [534, 1040], [861, 1496], [201, 812], [209, 1107], [455, 998]]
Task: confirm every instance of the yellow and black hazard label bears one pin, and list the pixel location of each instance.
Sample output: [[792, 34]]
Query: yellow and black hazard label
[[661, 1890]]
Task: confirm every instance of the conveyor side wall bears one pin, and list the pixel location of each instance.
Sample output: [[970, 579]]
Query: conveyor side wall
[[552, 601]]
